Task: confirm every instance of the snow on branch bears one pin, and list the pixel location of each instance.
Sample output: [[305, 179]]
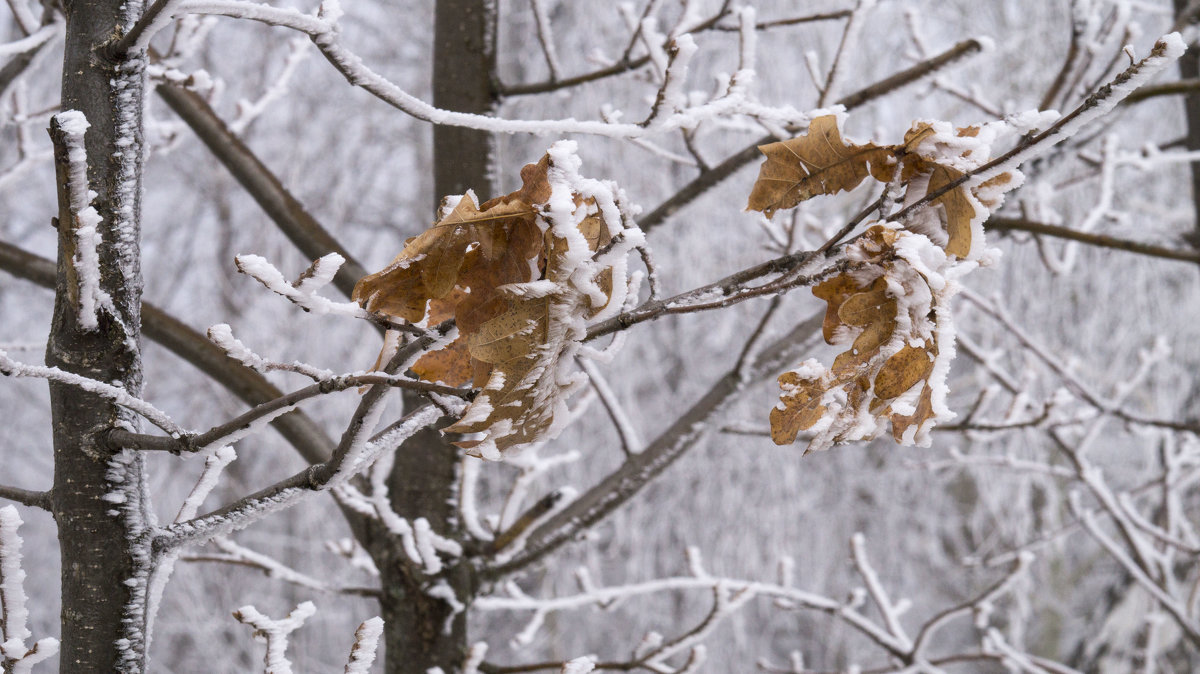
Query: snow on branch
[[222, 335], [1166, 52], [353, 454], [366, 642], [233, 553], [275, 633], [214, 465], [67, 129], [730, 594], [115, 394], [677, 113], [303, 291], [15, 656], [32, 41]]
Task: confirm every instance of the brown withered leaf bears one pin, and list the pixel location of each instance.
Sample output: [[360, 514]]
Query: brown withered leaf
[[801, 400], [879, 364], [902, 371], [922, 414], [819, 162], [430, 264], [515, 345], [517, 337], [834, 291], [958, 209], [454, 268]]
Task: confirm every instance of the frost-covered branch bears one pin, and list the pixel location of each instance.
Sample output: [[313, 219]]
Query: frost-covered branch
[[116, 394], [353, 454], [631, 443], [137, 39], [15, 656], [232, 553], [214, 465], [356, 451], [717, 174], [257, 418], [1166, 51], [638, 470], [366, 642], [275, 633], [302, 292], [730, 594]]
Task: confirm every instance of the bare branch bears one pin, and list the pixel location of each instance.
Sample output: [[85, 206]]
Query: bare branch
[[638, 470], [33, 499], [1003, 224], [709, 179], [301, 228]]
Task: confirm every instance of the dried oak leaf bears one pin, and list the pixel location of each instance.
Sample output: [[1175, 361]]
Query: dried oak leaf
[[880, 366], [454, 269], [801, 407], [524, 347], [819, 162]]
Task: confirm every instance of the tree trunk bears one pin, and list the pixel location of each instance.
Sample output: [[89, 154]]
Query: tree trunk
[[1189, 68], [464, 66], [422, 631], [97, 497]]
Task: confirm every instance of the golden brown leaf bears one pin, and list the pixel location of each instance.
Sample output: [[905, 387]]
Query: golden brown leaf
[[922, 414], [902, 371], [958, 209], [834, 291], [801, 400], [819, 162]]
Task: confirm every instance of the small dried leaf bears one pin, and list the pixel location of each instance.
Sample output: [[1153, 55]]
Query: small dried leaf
[[834, 291], [902, 371], [867, 307], [802, 408], [958, 208], [819, 162], [922, 414]]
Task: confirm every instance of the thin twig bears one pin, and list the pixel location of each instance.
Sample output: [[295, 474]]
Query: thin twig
[[1004, 224], [33, 499], [709, 179], [222, 434]]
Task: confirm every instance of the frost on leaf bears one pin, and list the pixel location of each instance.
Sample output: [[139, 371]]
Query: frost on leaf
[[521, 275], [887, 314], [822, 162], [819, 162], [891, 312]]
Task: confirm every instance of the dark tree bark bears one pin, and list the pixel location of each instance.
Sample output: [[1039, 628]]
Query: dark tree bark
[[97, 498], [464, 65], [1189, 68], [423, 631]]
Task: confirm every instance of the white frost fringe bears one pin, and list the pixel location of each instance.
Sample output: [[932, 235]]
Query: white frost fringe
[[14, 630], [73, 125]]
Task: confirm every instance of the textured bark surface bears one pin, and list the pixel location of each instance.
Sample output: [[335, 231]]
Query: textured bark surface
[[423, 631], [98, 608], [1189, 68], [464, 65]]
